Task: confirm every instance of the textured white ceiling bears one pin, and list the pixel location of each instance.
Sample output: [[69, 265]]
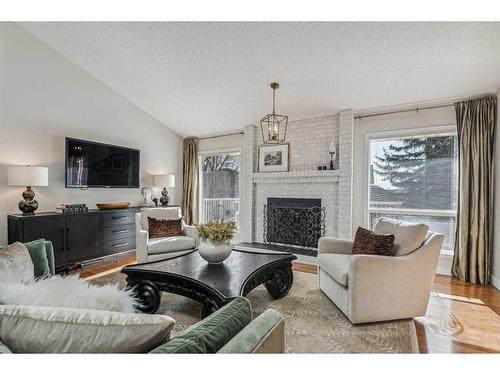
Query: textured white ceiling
[[207, 78]]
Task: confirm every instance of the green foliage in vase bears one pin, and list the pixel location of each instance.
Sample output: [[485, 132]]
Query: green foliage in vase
[[217, 231]]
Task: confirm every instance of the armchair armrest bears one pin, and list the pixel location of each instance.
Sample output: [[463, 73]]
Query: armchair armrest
[[330, 245], [141, 245], [191, 231], [141, 240], [364, 266], [265, 334]]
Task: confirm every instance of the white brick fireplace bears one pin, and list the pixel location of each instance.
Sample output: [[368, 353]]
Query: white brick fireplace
[[309, 145]]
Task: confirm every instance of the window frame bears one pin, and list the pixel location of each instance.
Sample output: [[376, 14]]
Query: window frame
[[201, 155], [388, 134]]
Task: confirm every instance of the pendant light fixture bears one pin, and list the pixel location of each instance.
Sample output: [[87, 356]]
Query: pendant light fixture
[[273, 126]]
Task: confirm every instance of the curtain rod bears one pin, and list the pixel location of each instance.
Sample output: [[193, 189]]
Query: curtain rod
[[450, 102], [220, 135], [359, 117]]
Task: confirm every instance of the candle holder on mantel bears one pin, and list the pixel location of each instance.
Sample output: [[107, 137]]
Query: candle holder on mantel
[[333, 156]]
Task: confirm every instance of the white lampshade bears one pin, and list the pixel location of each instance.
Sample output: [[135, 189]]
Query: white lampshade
[[20, 175], [164, 180]]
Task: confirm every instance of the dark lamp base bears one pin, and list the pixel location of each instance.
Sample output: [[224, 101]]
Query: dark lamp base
[[28, 205], [164, 199]]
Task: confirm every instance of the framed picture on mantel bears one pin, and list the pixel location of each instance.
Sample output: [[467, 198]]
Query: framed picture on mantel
[[274, 158]]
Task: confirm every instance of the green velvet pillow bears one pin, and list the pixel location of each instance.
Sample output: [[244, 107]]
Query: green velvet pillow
[[38, 256], [213, 332]]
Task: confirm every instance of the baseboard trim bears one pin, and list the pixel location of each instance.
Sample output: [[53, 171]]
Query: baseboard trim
[[304, 259], [444, 265], [495, 281]]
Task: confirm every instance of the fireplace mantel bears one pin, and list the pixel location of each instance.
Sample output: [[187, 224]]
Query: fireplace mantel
[[296, 177]]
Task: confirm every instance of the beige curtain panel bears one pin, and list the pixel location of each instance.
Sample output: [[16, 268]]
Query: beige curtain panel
[[476, 120], [190, 181]]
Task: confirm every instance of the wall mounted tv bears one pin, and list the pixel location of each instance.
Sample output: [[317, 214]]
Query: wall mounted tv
[[98, 165]]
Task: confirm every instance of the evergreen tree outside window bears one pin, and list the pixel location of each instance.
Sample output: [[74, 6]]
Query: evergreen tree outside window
[[414, 178]]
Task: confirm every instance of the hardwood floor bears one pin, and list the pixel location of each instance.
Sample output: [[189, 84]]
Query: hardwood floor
[[461, 317], [106, 266]]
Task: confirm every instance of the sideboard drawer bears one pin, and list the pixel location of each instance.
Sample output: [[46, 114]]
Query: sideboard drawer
[[118, 245], [118, 231], [114, 219]]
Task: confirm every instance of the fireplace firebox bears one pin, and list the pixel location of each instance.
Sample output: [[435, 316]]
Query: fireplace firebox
[[294, 222]]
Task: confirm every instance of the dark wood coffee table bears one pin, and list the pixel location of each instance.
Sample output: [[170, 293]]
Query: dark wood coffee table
[[212, 285]]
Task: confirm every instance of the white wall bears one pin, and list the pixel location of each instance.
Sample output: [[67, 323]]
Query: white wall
[[495, 270], [45, 98], [309, 141]]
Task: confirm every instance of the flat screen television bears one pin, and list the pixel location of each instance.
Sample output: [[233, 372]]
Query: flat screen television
[[98, 165]]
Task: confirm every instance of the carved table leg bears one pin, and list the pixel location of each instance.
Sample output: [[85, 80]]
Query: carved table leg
[[281, 282], [208, 309], [148, 295]]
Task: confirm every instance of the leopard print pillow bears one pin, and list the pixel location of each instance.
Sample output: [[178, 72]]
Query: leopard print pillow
[[367, 242], [164, 227]]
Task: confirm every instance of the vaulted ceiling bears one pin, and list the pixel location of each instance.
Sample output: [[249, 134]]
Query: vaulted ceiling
[[207, 78]]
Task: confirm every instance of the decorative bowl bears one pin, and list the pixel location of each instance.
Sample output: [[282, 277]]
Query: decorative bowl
[[112, 205], [214, 252]]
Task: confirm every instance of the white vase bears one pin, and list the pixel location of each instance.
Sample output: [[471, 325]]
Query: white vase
[[214, 252]]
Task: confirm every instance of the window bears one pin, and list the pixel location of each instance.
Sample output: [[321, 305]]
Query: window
[[414, 178], [219, 186]]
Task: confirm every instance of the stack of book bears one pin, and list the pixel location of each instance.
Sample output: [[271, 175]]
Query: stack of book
[[73, 208]]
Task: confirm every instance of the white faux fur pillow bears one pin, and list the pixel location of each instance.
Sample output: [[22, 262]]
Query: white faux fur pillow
[[69, 291]]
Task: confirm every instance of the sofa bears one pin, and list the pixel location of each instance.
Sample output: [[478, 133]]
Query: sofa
[[373, 288], [231, 329], [152, 249]]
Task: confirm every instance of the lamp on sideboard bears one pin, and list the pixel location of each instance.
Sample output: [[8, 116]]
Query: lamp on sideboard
[[28, 176], [165, 181]]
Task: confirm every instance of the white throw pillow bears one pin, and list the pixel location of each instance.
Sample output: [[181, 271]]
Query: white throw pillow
[[67, 292], [408, 237], [41, 329]]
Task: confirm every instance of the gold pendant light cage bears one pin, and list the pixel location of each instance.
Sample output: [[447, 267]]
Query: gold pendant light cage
[[273, 126]]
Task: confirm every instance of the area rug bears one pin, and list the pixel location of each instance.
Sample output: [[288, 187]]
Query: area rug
[[312, 322]]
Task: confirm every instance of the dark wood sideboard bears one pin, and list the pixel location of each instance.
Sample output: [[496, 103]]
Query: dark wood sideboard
[[77, 237]]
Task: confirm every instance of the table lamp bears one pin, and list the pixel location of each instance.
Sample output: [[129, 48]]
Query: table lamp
[[165, 181], [28, 176]]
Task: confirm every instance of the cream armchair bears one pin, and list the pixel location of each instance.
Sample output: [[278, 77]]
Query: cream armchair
[[151, 249], [372, 288]]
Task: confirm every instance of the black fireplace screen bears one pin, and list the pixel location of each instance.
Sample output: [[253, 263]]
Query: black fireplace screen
[[294, 222]]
